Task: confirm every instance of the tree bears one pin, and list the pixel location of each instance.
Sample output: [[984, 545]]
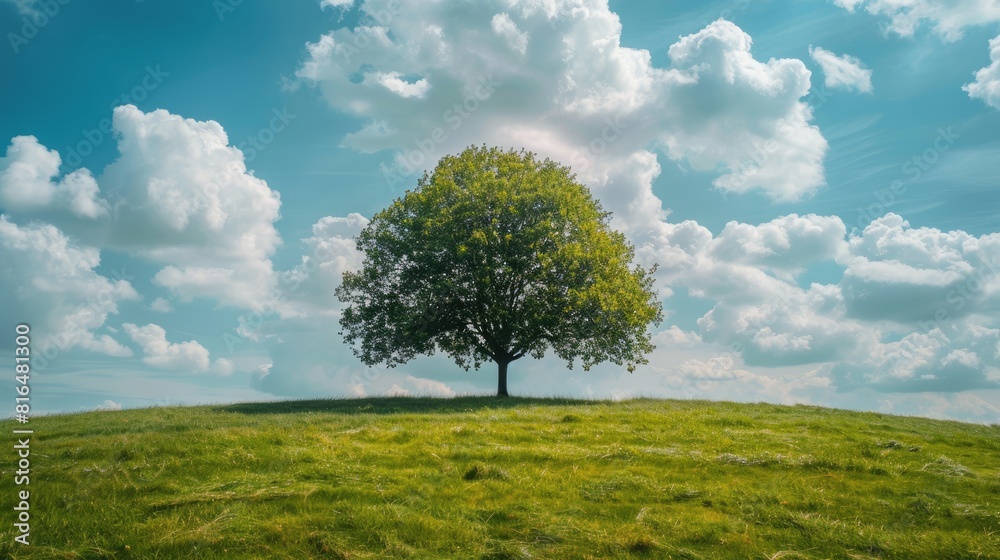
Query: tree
[[496, 256]]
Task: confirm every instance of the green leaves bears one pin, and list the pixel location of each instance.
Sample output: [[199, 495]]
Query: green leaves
[[494, 256]]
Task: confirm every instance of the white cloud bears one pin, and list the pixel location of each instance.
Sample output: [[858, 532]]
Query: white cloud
[[51, 283], [920, 275], [986, 87], [109, 405], [394, 82], [756, 127], [787, 244], [336, 3], [181, 197], [581, 98], [430, 387], [184, 357], [27, 183], [161, 305], [951, 358], [744, 261], [948, 18], [223, 366], [842, 72], [914, 311], [505, 27], [675, 336], [308, 289], [397, 391], [793, 327], [184, 198]]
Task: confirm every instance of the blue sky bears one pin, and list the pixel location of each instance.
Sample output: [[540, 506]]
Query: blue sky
[[181, 182]]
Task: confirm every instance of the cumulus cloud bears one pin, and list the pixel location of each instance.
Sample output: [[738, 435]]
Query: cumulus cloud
[[161, 305], [842, 72], [914, 310], [948, 18], [743, 261], [920, 275], [397, 391], [757, 128], [51, 283], [28, 185], [223, 366], [675, 336], [184, 357], [795, 327], [184, 198], [986, 87], [308, 288], [952, 358], [433, 80], [178, 195], [109, 405], [430, 387], [787, 244]]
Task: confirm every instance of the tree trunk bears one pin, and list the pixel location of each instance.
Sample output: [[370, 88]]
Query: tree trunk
[[502, 379]]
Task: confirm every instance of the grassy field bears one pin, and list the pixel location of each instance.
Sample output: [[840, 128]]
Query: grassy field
[[482, 478]]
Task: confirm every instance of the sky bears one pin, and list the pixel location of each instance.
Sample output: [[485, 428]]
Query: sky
[[181, 183]]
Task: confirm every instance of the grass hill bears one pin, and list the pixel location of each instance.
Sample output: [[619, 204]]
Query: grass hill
[[482, 478]]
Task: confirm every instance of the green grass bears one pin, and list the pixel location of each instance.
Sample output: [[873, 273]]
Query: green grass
[[482, 478]]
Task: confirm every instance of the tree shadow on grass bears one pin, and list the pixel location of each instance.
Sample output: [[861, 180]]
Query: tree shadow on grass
[[397, 405]]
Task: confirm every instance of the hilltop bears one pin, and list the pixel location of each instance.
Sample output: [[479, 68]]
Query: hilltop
[[480, 477]]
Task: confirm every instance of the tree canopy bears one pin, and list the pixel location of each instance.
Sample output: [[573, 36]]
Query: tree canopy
[[495, 256]]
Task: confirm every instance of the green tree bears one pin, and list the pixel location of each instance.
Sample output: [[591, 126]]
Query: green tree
[[495, 256]]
